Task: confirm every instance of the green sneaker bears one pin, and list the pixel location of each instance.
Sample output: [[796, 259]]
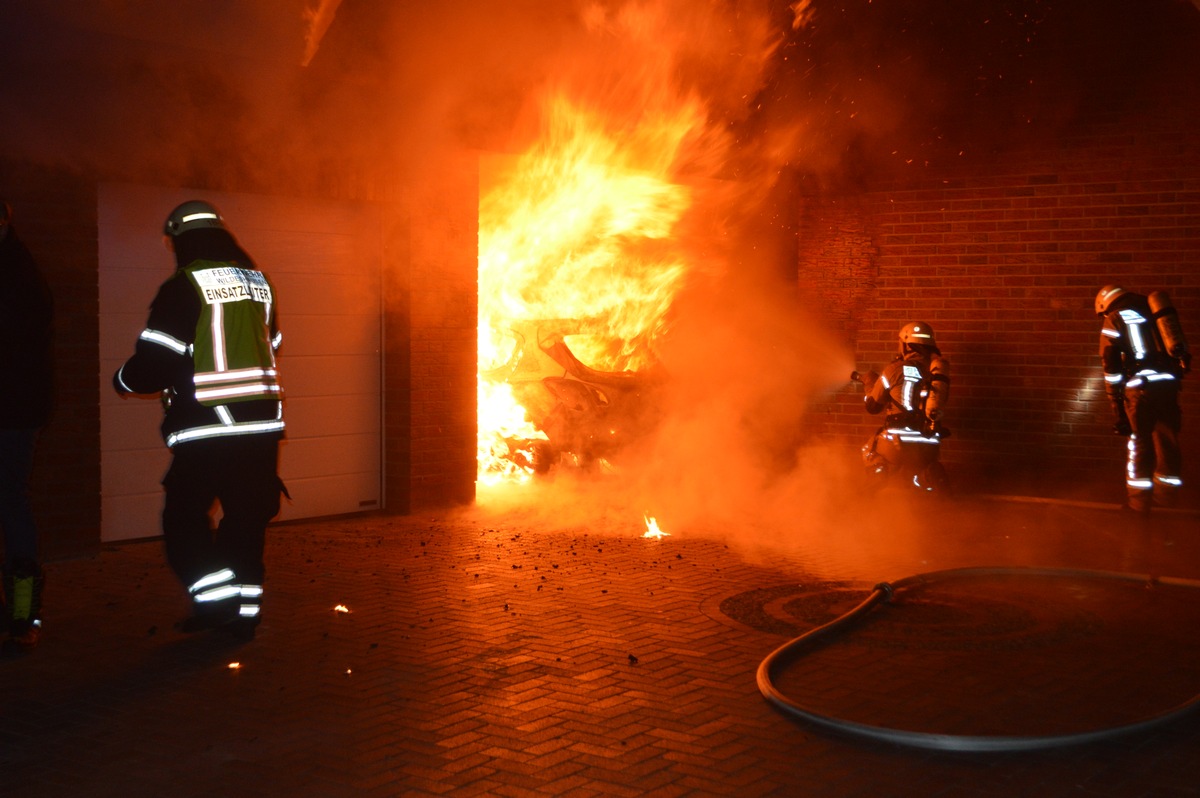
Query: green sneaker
[[23, 600]]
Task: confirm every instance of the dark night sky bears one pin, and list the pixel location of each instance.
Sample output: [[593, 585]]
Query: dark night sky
[[862, 84]]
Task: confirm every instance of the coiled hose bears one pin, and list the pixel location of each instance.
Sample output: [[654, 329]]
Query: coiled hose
[[884, 592]]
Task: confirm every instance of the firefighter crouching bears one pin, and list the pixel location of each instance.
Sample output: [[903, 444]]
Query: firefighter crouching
[[912, 391], [1144, 356], [208, 350]]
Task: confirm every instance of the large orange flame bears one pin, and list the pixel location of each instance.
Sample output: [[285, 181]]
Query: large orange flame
[[578, 236]]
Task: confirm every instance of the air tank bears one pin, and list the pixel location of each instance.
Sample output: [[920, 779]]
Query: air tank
[[1167, 319]]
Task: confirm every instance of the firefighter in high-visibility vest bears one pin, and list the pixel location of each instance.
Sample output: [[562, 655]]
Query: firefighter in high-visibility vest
[[911, 392], [208, 350], [1144, 356]]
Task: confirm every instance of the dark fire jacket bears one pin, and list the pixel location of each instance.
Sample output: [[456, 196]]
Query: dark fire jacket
[[26, 339]]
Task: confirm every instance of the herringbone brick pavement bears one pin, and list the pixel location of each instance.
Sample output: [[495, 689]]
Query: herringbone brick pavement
[[481, 653]]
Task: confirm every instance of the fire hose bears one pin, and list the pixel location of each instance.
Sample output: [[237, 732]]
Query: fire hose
[[884, 592]]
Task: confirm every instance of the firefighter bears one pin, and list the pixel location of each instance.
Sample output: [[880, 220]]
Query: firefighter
[[26, 360], [208, 350], [912, 392], [1144, 356]]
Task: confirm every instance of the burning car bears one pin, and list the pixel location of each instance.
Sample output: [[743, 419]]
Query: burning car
[[581, 417]]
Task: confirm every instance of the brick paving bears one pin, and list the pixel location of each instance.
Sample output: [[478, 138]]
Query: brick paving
[[485, 653]]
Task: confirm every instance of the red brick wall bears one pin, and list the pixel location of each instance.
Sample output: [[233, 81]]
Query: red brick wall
[[442, 315], [1004, 258], [55, 215]]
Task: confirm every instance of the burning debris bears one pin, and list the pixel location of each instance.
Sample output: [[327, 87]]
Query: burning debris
[[652, 530]]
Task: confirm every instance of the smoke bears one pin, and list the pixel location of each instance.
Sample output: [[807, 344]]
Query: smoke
[[743, 351], [319, 18], [128, 89], [257, 94]]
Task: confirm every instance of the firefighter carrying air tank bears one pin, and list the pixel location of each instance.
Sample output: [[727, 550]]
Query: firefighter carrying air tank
[[1144, 356], [912, 391]]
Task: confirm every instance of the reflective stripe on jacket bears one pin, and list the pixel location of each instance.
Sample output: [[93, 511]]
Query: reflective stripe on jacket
[[232, 354], [1132, 354], [211, 358]]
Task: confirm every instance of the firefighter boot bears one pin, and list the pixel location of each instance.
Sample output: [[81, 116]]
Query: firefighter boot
[[23, 605]]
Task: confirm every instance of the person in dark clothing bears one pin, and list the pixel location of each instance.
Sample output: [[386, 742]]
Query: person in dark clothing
[[1144, 356], [27, 363], [209, 350]]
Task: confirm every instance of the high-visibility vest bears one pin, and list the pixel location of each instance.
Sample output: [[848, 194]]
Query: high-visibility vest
[[233, 354]]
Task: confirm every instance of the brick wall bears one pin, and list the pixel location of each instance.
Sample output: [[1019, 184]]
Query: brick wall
[[430, 399], [1004, 257], [55, 215]]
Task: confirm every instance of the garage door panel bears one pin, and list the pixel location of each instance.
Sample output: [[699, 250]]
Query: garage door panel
[[131, 516], [120, 332], [329, 335], [136, 471], [134, 288], [311, 255], [328, 376], [317, 417], [316, 293], [330, 495], [310, 457], [123, 424]]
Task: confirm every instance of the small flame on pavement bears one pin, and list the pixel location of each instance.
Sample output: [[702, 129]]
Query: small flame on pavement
[[233, 666], [652, 530], [341, 608]]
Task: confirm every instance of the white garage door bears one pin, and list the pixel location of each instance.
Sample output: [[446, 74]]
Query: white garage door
[[324, 259]]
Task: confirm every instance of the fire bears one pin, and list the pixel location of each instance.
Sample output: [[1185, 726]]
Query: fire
[[587, 237], [505, 441], [576, 264], [652, 530]]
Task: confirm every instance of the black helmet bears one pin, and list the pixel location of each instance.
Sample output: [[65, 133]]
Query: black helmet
[[192, 215]]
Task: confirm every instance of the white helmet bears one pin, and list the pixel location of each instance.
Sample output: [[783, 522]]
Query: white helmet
[[1108, 294], [192, 215]]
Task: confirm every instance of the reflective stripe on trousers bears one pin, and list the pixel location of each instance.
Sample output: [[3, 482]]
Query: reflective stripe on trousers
[[219, 586]]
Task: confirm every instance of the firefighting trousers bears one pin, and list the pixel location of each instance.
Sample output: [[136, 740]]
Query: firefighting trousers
[[1152, 470], [241, 475], [16, 518]]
